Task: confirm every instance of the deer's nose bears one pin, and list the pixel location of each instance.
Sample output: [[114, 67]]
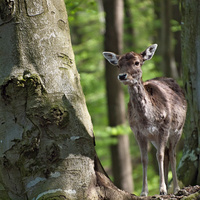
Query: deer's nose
[[122, 77]]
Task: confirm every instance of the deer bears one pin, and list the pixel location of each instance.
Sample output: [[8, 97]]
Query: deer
[[156, 113]]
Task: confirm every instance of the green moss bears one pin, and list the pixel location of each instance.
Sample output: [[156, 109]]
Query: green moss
[[192, 196], [34, 85], [59, 115], [10, 87], [30, 84], [49, 108], [4, 195]]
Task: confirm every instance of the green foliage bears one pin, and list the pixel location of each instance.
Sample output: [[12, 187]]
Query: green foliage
[[175, 26], [143, 17], [87, 40], [114, 131], [76, 6], [87, 27], [105, 136]]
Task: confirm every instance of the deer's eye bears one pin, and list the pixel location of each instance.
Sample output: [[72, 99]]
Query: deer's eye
[[137, 63]]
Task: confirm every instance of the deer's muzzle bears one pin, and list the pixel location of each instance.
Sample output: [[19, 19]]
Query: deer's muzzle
[[122, 77]]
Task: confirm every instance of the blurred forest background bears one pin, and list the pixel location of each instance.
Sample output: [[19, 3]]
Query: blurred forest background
[[145, 22]]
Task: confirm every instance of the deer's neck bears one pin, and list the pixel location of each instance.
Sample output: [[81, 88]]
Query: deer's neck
[[139, 98]]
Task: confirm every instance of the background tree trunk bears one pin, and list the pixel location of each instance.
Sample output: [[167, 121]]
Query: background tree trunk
[[129, 39], [189, 167], [176, 15], [157, 28], [121, 161], [168, 61]]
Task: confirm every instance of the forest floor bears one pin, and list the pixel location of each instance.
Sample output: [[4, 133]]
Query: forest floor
[[187, 193]]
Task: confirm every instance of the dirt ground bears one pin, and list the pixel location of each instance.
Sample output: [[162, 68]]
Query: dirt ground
[[187, 193]]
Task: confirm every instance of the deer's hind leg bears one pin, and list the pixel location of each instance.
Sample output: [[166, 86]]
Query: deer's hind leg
[[172, 157]]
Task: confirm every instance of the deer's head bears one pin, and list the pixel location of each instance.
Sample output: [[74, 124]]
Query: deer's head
[[130, 64]]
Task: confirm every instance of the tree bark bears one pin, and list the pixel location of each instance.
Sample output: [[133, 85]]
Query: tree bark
[[46, 133], [189, 167], [121, 161]]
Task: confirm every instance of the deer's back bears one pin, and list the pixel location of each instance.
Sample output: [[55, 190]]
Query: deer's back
[[165, 90], [166, 94]]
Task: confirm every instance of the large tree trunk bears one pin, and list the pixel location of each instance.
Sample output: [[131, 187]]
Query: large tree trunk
[[46, 135], [121, 161], [189, 167]]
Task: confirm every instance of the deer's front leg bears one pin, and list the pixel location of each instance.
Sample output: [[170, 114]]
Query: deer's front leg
[[144, 158], [160, 157]]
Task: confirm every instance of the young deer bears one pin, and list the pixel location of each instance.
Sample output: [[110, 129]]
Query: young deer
[[157, 112]]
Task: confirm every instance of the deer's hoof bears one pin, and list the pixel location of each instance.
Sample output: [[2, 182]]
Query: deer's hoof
[[163, 189], [176, 190], [144, 194], [163, 193]]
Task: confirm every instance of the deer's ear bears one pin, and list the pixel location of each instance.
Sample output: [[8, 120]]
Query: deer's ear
[[111, 57], [149, 52]]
